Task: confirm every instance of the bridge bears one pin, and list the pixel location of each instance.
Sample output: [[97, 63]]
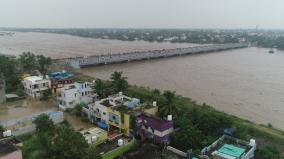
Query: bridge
[[88, 61]]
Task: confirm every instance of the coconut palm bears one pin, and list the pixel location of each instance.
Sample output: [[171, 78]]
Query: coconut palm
[[168, 107], [119, 82]]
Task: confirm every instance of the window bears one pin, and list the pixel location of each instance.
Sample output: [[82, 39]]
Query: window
[[75, 95], [104, 113], [82, 94], [85, 85], [85, 93]]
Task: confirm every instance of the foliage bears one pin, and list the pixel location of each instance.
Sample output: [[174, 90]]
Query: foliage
[[119, 151], [189, 135], [8, 66], [68, 144], [100, 88], [119, 82], [268, 153], [28, 61], [46, 94], [1, 128], [43, 63], [168, 106], [92, 153], [43, 124]]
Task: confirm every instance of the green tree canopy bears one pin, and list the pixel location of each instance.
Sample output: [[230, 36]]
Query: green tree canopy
[[92, 153], [168, 106], [119, 82], [28, 61], [43, 124], [68, 144], [43, 63]]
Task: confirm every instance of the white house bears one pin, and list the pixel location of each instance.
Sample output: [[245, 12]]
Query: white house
[[77, 93], [35, 85]]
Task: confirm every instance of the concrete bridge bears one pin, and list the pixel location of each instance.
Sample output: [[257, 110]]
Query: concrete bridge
[[82, 62]]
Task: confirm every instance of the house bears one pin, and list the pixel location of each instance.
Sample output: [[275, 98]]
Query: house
[[35, 86], [94, 135], [77, 93], [9, 149], [227, 147], [152, 127], [114, 113], [60, 80], [2, 91]]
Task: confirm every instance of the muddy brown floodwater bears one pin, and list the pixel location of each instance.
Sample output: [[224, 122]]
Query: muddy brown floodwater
[[27, 107], [61, 46], [248, 83]]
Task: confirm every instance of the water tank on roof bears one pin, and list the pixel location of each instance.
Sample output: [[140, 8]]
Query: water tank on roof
[[120, 142], [170, 117], [7, 133], [252, 142], [94, 139], [155, 103], [120, 93]]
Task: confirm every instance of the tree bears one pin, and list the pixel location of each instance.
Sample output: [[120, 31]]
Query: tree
[[92, 153], [43, 64], [8, 67], [100, 88], [119, 82], [168, 107], [43, 124], [268, 153], [68, 144], [28, 61], [45, 130], [189, 137]]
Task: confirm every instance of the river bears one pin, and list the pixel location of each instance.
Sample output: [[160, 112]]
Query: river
[[248, 83]]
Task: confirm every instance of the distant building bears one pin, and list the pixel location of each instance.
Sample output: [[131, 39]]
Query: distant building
[[9, 149], [227, 147], [2, 91], [149, 126], [94, 135], [35, 86], [113, 113], [77, 93], [60, 80]]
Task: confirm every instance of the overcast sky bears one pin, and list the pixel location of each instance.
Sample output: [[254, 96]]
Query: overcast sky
[[266, 14]]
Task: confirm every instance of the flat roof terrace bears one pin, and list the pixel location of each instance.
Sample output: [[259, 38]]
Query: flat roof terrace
[[227, 146]]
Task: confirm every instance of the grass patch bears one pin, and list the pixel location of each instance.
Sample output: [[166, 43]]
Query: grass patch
[[120, 150]]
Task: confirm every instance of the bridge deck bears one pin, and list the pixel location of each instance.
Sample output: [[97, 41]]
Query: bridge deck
[[80, 62]]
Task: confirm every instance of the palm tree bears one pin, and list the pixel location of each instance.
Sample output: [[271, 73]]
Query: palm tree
[[168, 107], [119, 82]]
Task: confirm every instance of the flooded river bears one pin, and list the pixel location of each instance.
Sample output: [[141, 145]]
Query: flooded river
[[61, 46], [248, 83]]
